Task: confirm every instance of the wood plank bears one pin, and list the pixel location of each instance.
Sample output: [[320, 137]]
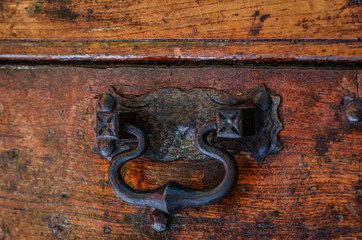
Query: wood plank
[[259, 51], [185, 19], [248, 30], [53, 186]]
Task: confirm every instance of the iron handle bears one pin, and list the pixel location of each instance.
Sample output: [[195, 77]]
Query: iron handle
[[172, 197], [128, 128]]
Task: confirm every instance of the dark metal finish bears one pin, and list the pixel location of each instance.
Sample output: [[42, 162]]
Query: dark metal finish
[[106, 147], [172, 197], [197, 124], [235, 123], [159, 220], [229, 123], [354, 111], [108, 126], [106, 103]]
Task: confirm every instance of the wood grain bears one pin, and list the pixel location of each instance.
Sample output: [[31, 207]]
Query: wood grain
[[53, 186], [198, 51], [185, 19], [239, 30]]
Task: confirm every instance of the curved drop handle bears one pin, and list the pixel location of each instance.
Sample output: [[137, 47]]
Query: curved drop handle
[[177, 124], [173, 197]]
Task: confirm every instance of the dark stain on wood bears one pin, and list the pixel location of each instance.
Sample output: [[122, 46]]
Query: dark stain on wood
[[264, 17], [12, 186], [59, 225], [322, 145], [107, 230], [4, 230], [60, 9], [35, 8], [323, 141], [65, 13], [257, 25]]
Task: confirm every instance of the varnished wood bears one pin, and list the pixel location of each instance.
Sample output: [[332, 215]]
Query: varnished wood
[[262, 51], [53, 186], [216, 30], [228, 19]]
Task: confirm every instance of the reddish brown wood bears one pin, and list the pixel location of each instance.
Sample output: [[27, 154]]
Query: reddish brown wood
[[263, 51], [185, 19], [52, 185], [259, 30]]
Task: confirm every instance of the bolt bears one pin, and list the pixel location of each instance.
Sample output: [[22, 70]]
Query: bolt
[[263, 100], [260, 146], [354, 111], [106, 147], [263, 145], [107, 230], [106, 103], [159, 220]]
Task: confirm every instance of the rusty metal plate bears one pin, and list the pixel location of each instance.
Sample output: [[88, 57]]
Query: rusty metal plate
[[170, 118]]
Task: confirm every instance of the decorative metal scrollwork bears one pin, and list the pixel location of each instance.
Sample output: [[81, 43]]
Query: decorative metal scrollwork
[[197, 124]]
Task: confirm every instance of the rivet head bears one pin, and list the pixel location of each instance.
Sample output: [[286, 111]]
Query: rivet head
[[262, 100], [354, 111], [106, 103], [260, 146], [106, 147], [159, 220]]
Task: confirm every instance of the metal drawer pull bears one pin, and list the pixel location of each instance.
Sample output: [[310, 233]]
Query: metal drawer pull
[[207, 123]]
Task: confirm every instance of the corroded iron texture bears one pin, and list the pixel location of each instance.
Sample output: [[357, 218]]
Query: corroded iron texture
[[170, 118], [197, 124]]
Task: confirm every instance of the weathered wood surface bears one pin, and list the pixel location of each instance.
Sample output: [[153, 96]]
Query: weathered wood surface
[[53, 186], [187, 29]]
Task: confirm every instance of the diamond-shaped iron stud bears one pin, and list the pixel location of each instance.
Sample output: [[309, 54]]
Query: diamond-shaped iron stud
[[229, 123]]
